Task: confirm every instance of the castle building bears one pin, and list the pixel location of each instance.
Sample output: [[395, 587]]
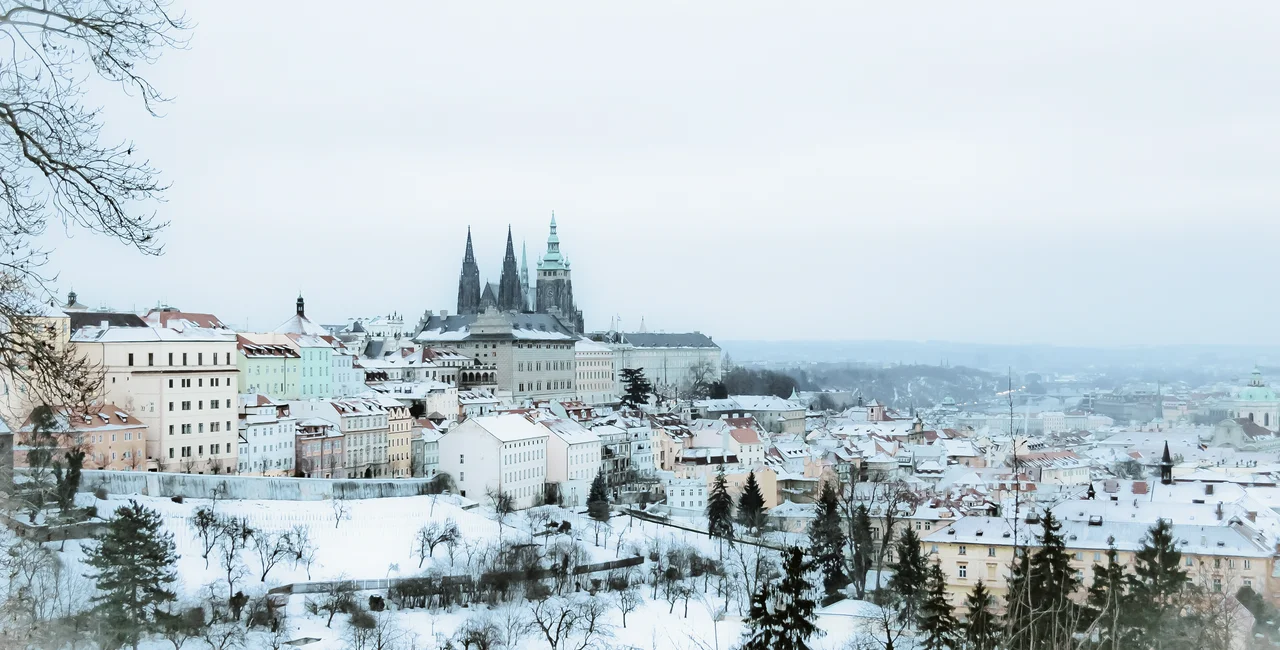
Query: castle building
[[555, 284], [551, 291]]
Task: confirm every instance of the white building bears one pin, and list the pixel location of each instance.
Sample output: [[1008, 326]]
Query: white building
[[773, 413], [573, 459], [267, 432], [177, 374], [597, 381], [670, 361], [499, 453], [686, 497]]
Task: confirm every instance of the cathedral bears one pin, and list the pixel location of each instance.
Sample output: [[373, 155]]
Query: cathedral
[[551, 293]]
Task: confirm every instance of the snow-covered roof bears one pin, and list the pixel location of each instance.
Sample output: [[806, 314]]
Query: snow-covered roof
[[508, 427], [182, 333], [1128, 536]]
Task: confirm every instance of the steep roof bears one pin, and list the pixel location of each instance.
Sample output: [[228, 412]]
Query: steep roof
[[663, 340], [112, 318]]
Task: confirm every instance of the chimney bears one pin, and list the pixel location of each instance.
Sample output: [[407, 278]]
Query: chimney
[[105, 324], [1208, 488], [444, 313], [1218, 511], [1252, 516]]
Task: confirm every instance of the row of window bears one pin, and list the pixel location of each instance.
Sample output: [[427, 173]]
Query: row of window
[[214, 427], [536, 366], [214, 382], [551, 385], [151, 358], [213, 404], [185, 452]]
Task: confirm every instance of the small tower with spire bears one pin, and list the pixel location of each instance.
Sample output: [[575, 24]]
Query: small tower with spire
[[302, 306], [1166, 466], [510, 297], [555, 284]]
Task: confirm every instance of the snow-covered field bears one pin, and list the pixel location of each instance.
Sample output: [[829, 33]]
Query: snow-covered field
[[375, 540]]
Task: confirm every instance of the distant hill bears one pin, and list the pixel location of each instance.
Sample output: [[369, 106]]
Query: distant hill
[[901, 386]]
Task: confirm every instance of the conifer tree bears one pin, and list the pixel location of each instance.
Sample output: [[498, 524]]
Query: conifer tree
[[1106, 598], [981, 630], [782, 618], [1157, 581], [910, 573], [134, 566], [863, 549], [751, 504], [938, 625], [826, 540], [719, 508], [636, 388], [42, 444], [1041, 612], [68, 482], [598, 498]]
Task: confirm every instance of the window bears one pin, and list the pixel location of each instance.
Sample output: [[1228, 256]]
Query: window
[[200, 428], [1097, 557], [170, 406], [963, 570], [171, 358], [186, 405], [151, 358], [1190, 562], [170, 428], [1078, 556], [462, 476], [228, 404], [200, 359], [1217, 563], [171, 452], [200, 405], [963, 551], [213, 404], [991, 551], [1217, 584], [184, 358], [186, 428]]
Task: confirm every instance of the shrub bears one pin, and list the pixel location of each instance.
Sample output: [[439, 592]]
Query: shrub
[[176, 498], [101, 493], [376, 603]]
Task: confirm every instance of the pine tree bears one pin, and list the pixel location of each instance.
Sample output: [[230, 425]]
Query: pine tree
[[42, 445], [826, 540], [863, 549], [598, 499], [910, 573], [1041, 612], [782, 619], [1158, 579], [751, 504], [134, 562], [719, 508], [68, 482], [981, 630], [1106, 600], [636, 388], [938, 625]]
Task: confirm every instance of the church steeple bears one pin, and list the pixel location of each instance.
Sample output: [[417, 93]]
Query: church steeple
[[510, 297], [302, 311], [469, 281], [1166, 466], [526, 294]]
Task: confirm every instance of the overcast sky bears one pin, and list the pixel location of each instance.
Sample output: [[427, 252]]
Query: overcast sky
[[1097, 173]]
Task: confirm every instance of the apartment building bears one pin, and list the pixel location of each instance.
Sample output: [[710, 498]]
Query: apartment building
[[267, 437], [364, 425], [176, 373], [573, 459], [109, 437], [498, 453]]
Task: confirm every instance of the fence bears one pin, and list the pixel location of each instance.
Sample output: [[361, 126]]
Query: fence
[[268, 488], [382, 584]]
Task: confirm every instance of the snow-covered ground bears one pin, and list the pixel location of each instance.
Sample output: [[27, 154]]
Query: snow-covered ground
[[375, 540]]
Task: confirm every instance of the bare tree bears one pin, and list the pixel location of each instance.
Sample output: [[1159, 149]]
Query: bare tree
[[224, 635], [341, 510], [629, 600], [514, 624], [234, 539], [272, 547], [503, 505], [432, 535], [338, 596], [304, 550], [571, 623]]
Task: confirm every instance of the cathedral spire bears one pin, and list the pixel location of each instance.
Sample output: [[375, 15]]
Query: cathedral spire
[[510, 298], [469, 281]]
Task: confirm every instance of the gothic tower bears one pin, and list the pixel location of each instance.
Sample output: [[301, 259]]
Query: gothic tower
[[510, 298], [1166, 467], [555, 284], [469, 282], [528, 301]]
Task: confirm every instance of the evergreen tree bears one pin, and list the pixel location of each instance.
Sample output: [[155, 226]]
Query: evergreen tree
[[719, 508], [68, 482], [636, 388], [1157, 581], [938, 625], [1041, 612], [42, 445], [981, 630], [910, 573], [598, 498], [1106, 600], [863, 549], [751, 504], [782, 619], [134, 562], [826, 540]]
